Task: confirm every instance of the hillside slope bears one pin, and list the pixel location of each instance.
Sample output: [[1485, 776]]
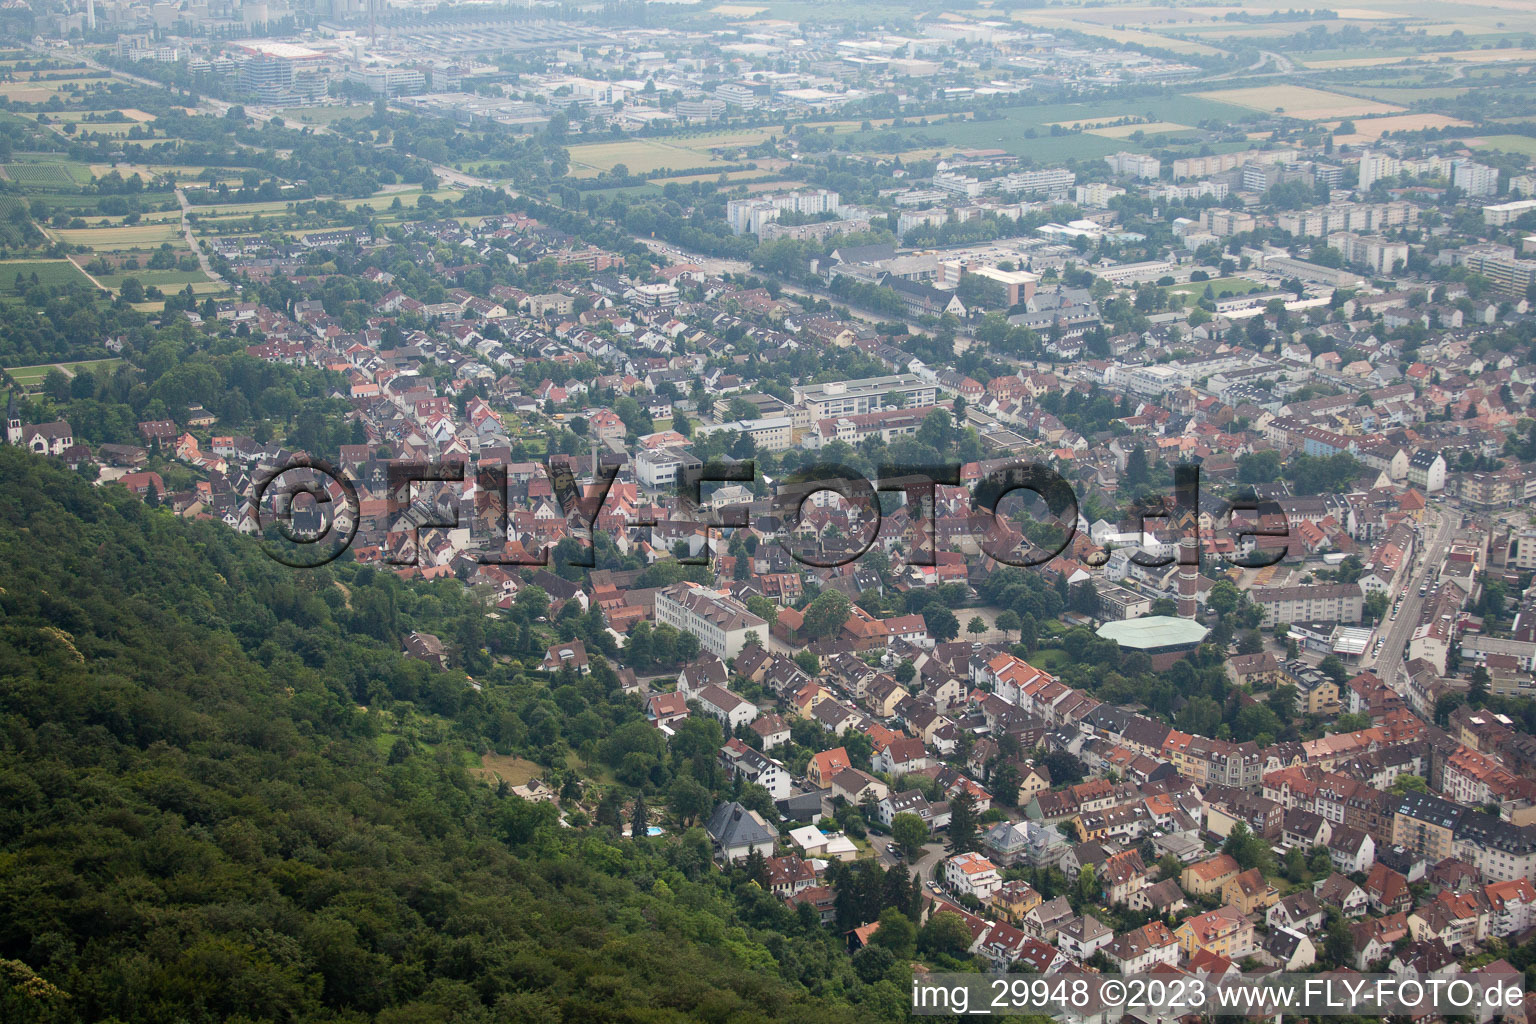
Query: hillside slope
[[199, 823]]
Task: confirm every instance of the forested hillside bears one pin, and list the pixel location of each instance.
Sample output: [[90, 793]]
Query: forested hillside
[[201, 822]]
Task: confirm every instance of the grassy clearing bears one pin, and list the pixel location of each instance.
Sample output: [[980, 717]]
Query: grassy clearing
[[1522, 144], [1219, 286], [514, 771], [1051, 659], [324, 115], [32, 376]]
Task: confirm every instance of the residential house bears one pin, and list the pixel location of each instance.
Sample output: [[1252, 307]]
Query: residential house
[[1209, 876], [745, 762], [1249, 892], [972, 874], [1081, 937], [737, 832], [1287, 949], [1225, 931], [1300, 910], [1141, 949], [1338, 891]]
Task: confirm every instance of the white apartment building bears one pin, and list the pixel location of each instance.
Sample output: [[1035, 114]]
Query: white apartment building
[[1152, 381], [1500, 214], [719, 621], [1134, 165], [741, 760], [1096, 194], [1054, 180], [1375, 166], [958, 185], [972, 873], [1325, 220], [769, 433], [1475, 179], [1314, 602], [855, 397], [747, 216], [730, 708], [1374, 251]]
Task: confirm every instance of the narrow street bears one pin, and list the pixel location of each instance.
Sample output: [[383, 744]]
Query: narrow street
[[1400, 626], [192, 243]]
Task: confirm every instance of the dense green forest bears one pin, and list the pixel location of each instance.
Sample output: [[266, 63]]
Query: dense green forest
[[201, 821]]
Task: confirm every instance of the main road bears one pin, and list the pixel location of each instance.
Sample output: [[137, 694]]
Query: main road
[[1399, 626]]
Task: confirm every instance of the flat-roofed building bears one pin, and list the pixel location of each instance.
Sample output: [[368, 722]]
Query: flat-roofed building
[[855, 397]]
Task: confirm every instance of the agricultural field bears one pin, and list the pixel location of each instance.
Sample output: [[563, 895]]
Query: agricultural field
[[148, 172], [644, 156], [42, 90], [1025, 130], [165, 280], [121, 238], [48, 272], [1133, 37], [1489, 56], [1371, 129], [1300, 101], [1125, 131], [47, 175], [1408, 95]]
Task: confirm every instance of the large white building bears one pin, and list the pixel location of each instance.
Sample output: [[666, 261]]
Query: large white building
[[1314, 602], [855, 397], [719, 621], [1375, 166], [1325, 220], [1134, 165], [662, 468], [769, 433], [747, 216], [1500, 214], [1054, 180], [1153, 381], [1475, 179], [1374, 251]]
